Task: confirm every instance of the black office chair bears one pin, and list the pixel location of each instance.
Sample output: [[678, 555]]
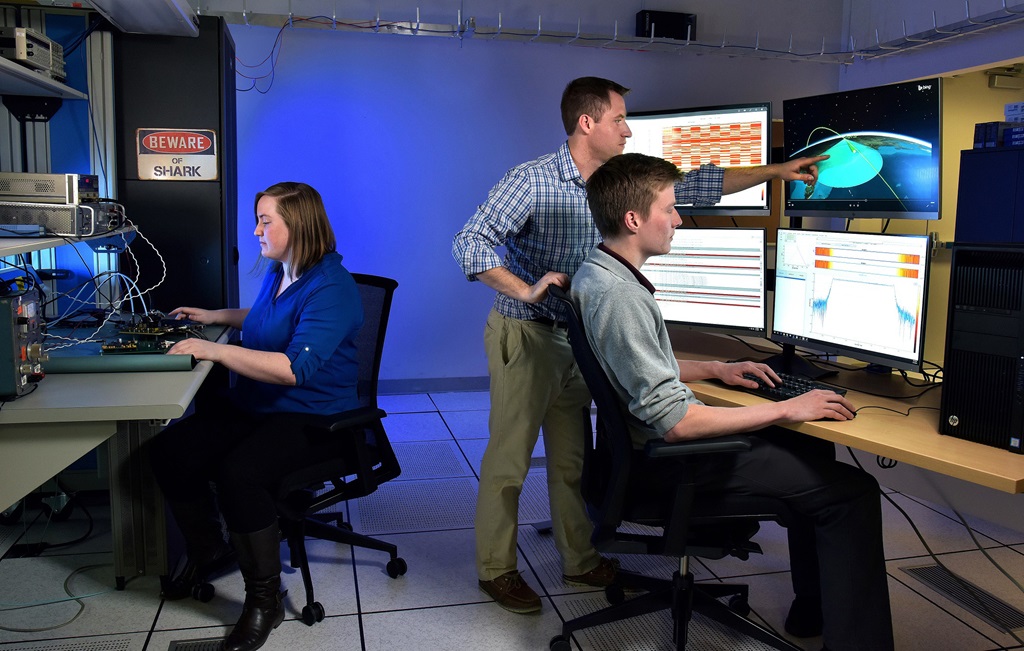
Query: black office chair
[[368, 461], [616, 490]]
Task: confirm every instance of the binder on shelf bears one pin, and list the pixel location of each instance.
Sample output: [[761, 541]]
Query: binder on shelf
[[993, 134]]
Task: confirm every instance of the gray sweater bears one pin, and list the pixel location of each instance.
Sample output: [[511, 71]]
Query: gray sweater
[[628, 334]]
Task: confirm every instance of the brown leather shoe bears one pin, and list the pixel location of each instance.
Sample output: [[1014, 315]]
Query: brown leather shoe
[[512, 593], [599, 577]]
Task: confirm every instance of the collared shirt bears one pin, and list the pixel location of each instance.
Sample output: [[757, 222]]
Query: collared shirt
[[630, 339], [314, 322], [539, 213], [640, 278]]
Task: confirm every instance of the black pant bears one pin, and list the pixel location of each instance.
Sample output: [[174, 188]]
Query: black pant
[[835, 538], [245, 455]]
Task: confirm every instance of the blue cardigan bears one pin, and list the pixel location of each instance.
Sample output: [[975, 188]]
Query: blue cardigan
[[314, 322]]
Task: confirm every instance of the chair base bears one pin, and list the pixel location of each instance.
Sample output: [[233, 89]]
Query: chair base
[[296, 533], [683, 597]]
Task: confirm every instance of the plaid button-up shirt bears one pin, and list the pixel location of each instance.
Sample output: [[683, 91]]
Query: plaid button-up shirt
[[539, 213]]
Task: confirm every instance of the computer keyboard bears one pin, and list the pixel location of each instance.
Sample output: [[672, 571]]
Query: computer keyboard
[[791, 387]]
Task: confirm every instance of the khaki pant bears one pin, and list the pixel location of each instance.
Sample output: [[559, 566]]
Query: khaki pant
[[534, 384]]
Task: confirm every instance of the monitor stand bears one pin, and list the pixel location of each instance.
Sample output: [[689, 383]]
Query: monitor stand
[[789, 362]]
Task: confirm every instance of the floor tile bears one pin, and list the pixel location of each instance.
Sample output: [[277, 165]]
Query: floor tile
[[975, 568], [442, 572], [100, 610], [461, 401], [416, 505], [940, 532], [431, 460], [416, 427], [405, 403], [996, 532], [467, 424], [118, 642], [470, 626]]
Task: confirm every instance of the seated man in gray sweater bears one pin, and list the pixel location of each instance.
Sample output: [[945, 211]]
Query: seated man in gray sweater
[[836, 556]]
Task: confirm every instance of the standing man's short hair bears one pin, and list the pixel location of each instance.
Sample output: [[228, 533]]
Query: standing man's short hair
[[627, 182], [587, 96]]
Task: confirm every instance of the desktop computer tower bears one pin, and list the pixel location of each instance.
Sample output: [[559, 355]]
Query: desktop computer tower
[[983, 371], [177, 84]]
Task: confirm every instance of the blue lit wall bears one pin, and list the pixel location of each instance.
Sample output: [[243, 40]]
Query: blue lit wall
[[404, 136]]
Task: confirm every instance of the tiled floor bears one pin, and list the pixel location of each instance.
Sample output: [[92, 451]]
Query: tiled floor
[[428, 512]]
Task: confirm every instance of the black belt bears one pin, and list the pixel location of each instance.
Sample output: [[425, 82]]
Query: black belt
[[543, 320]]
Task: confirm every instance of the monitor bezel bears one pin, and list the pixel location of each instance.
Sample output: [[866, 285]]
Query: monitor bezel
[[803, 208], [718, 210], [833, 349], [744, 331]]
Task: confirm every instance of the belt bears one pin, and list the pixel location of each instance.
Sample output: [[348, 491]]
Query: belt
[[543, 320]]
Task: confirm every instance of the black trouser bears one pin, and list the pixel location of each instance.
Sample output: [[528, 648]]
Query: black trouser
[[838, 511], [245, 454]]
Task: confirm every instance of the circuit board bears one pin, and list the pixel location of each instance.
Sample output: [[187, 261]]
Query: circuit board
[[151, 337]]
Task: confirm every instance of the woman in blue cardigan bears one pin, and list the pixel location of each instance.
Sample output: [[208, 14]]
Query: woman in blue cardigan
[[297, 362]]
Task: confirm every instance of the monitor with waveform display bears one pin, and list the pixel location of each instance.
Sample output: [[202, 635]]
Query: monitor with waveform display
[[736, 135], [712, 280], [860, 295], [883, 149]]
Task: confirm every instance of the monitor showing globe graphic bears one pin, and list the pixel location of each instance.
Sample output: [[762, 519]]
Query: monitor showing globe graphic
[[883, 152]]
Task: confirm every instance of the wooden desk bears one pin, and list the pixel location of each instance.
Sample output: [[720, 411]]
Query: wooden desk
[[913, 439]]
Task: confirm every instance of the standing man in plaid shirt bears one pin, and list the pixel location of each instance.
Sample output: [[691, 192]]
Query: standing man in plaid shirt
[[539, 213]]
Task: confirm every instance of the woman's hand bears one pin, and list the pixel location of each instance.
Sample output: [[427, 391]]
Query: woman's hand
[[197, 314], [199, 348]]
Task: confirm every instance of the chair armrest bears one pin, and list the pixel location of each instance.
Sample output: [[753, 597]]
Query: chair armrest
[[657, 449], [351, 418]]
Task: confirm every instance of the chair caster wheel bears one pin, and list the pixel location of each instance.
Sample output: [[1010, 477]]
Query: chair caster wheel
[[739, 605], [396, 567], [312, 613], [13, 514], [614, 594], [559, 643], [203, 592]]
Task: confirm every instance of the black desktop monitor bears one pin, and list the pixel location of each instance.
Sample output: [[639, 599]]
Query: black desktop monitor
[[861, 295], [712, 280], [884, 152], [737, 135]]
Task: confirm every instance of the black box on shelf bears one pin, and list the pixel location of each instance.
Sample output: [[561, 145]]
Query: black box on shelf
[[666, 24]]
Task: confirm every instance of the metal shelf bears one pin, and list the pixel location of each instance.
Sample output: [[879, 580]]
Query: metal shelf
[[16, 245], [19, 80]]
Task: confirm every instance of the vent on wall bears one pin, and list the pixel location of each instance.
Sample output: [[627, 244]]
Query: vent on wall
[[156, 17]]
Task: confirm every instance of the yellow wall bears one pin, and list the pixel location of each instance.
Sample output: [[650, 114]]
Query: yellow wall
[[967, 100]]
